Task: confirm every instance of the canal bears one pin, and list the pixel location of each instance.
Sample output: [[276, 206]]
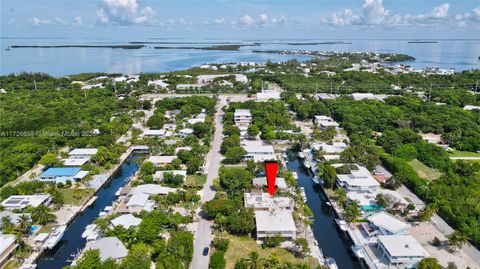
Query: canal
[[72, 240], [331, 240]]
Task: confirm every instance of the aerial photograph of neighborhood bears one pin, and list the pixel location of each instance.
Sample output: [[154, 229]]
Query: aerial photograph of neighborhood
[[239, 134]]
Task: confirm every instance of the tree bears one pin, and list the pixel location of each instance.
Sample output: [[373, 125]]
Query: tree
[[49, 159], [242, 222], [231, 141], [427, 213], [380, 200], [329, 175], [429, 263], [272, 241], [253, 130], [217, 260], [42, 215], [90, 260], [253, 261], [221, 244], [340, 196], [436, 242], [235, 179], [147, 168], [352, 211], [7, 225], [235, 154], [301, 245], [138, 257], [456, 240], [24, 224]]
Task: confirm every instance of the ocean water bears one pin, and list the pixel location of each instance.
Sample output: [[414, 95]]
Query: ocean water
[[457, 54]]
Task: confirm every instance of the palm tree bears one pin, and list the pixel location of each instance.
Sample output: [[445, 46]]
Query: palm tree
[[273, 262], [456, 240], [428, 212], [42, 215], [7, 224], [24, 224], [254, 261], [353, 211]]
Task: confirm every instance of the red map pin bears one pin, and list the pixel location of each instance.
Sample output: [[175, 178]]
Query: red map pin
[[271, 168]]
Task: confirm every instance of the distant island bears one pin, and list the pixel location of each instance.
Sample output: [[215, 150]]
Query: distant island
[[318, 43], [215, 47], [423, 42], [79, 46]]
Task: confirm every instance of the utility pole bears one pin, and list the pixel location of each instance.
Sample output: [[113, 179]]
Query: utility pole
[[35, 84]]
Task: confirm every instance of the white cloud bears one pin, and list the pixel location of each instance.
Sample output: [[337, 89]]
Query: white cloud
[[77, 20], [374, 12], [263, 19], [247, 21], [124, 12], [60, 22], [39, 22]]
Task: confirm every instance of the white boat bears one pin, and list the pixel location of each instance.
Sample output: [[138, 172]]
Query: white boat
[[302, 193], [342, 224], [295, 175], [301, 155], [328, 203], [358, 251], [307, 164], [55, 237], [90, 229], [331, 263], [316, 180]]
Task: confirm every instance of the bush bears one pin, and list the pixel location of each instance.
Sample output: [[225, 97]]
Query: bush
[[221, 244], [217, 260], [272, 241]]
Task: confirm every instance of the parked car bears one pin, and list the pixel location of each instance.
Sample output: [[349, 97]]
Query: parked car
[[205, 251]]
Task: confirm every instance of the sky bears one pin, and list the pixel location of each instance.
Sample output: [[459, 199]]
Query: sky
[[236, 19]]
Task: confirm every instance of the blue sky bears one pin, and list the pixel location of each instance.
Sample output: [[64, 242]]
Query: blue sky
[[235, 19]]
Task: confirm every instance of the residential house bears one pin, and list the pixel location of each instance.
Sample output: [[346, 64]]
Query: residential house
[[126, 221], [62, 174], [160, 174], [387, 224], [109, 248], [261, 182], [401, 249], [161, 160], [7, 246], [359, 180], [22, 201], [275, 223], [185, 132], [259, 153], [82, 153], [325, 122], [264, 201]]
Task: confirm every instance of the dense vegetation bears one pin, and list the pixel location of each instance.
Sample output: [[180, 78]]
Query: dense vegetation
[[387, 133], [40, 114]]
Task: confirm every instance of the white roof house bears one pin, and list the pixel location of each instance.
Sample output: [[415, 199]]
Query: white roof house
[[388, 224], [325, 122], [158, 83], [138, 202], [264, 201], [161, 160], [358, 180], [75, 161], [370, 96], [159, 174], [126, 221], [7, 245], [275, 222], [335, 147], [185, 132], [262, 181], [470, 107], [82, 153], [242, 117], [159, 133], [14, 217], [21, 201], [259, 153], [401, 248], [109, 248], [151, 189]]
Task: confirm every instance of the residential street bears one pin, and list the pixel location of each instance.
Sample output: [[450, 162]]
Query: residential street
[[203, 235]]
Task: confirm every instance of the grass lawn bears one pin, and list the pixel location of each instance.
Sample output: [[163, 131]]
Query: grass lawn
[[240, 165], [240, 247], [83, 194], [457, 153], [424, 171], [47, 228], [11, 264]]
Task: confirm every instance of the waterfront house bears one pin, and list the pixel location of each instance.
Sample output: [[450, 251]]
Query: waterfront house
[[7, 246], [335, 147], [139, 202], [161, 160], [109, 248], [126, 221], [275, 223], [82, 153], [401, 249], [76, 162], [185, 132], [264, 201], [22, 201], [387, 224], [359, 180], [259, 153], [200, 118], [14, 217], [160, 174], [62, 174], [261, 182], [151, 189]]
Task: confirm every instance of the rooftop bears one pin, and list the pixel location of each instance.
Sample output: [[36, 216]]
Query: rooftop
[[274, 221], [21, 201], [242, 112], [402, 245], [151, 189], [388, 222], [161, 173], [61, 172], [360, 177], [262, 181], [259, 149], [161, 159], [110, 248], [126, 221], [138, 200], [75, 162], [265, 200], [83, 151]]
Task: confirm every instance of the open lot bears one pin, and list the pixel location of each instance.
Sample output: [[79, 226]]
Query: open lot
[[424, 171], [240, 247], [75, 197]]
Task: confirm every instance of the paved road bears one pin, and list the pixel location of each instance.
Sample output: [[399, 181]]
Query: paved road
[[203, 235]]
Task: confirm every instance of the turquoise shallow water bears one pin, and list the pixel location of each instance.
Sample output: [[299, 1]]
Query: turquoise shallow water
[[458, 54]]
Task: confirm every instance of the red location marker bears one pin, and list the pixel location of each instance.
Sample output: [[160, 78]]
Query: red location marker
[[271, 169]]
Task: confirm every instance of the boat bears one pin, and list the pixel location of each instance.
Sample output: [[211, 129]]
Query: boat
[[55, 237], [301, 155], [302, 193], [307, 164], [316, 179], [328, 203], [90, 229], [358, 251], [342, 224], [331, 263], [295, 175]]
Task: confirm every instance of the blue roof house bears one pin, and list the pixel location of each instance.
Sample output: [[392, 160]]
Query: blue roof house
[[62, 174]]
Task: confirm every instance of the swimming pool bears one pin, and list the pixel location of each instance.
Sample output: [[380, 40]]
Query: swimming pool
[[34, 228], [370, 208]]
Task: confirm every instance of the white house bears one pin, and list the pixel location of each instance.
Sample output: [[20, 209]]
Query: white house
[[368, 96], [324, 122], [151, 189], [154, 133], [109, 248], [387, 224], [358, 181], [274, 223], [7, 246], [185, 132], [161, 160], [264, 201], [126, 221], [262, 182], [158, 84], [259, 153], [138, 202], [335, 147], [242, 117], [82, 153], [399, 249], [22, 201], [74, 161]]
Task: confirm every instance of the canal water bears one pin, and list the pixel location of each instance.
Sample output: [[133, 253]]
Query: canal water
[[72, 241], [331, 240]]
